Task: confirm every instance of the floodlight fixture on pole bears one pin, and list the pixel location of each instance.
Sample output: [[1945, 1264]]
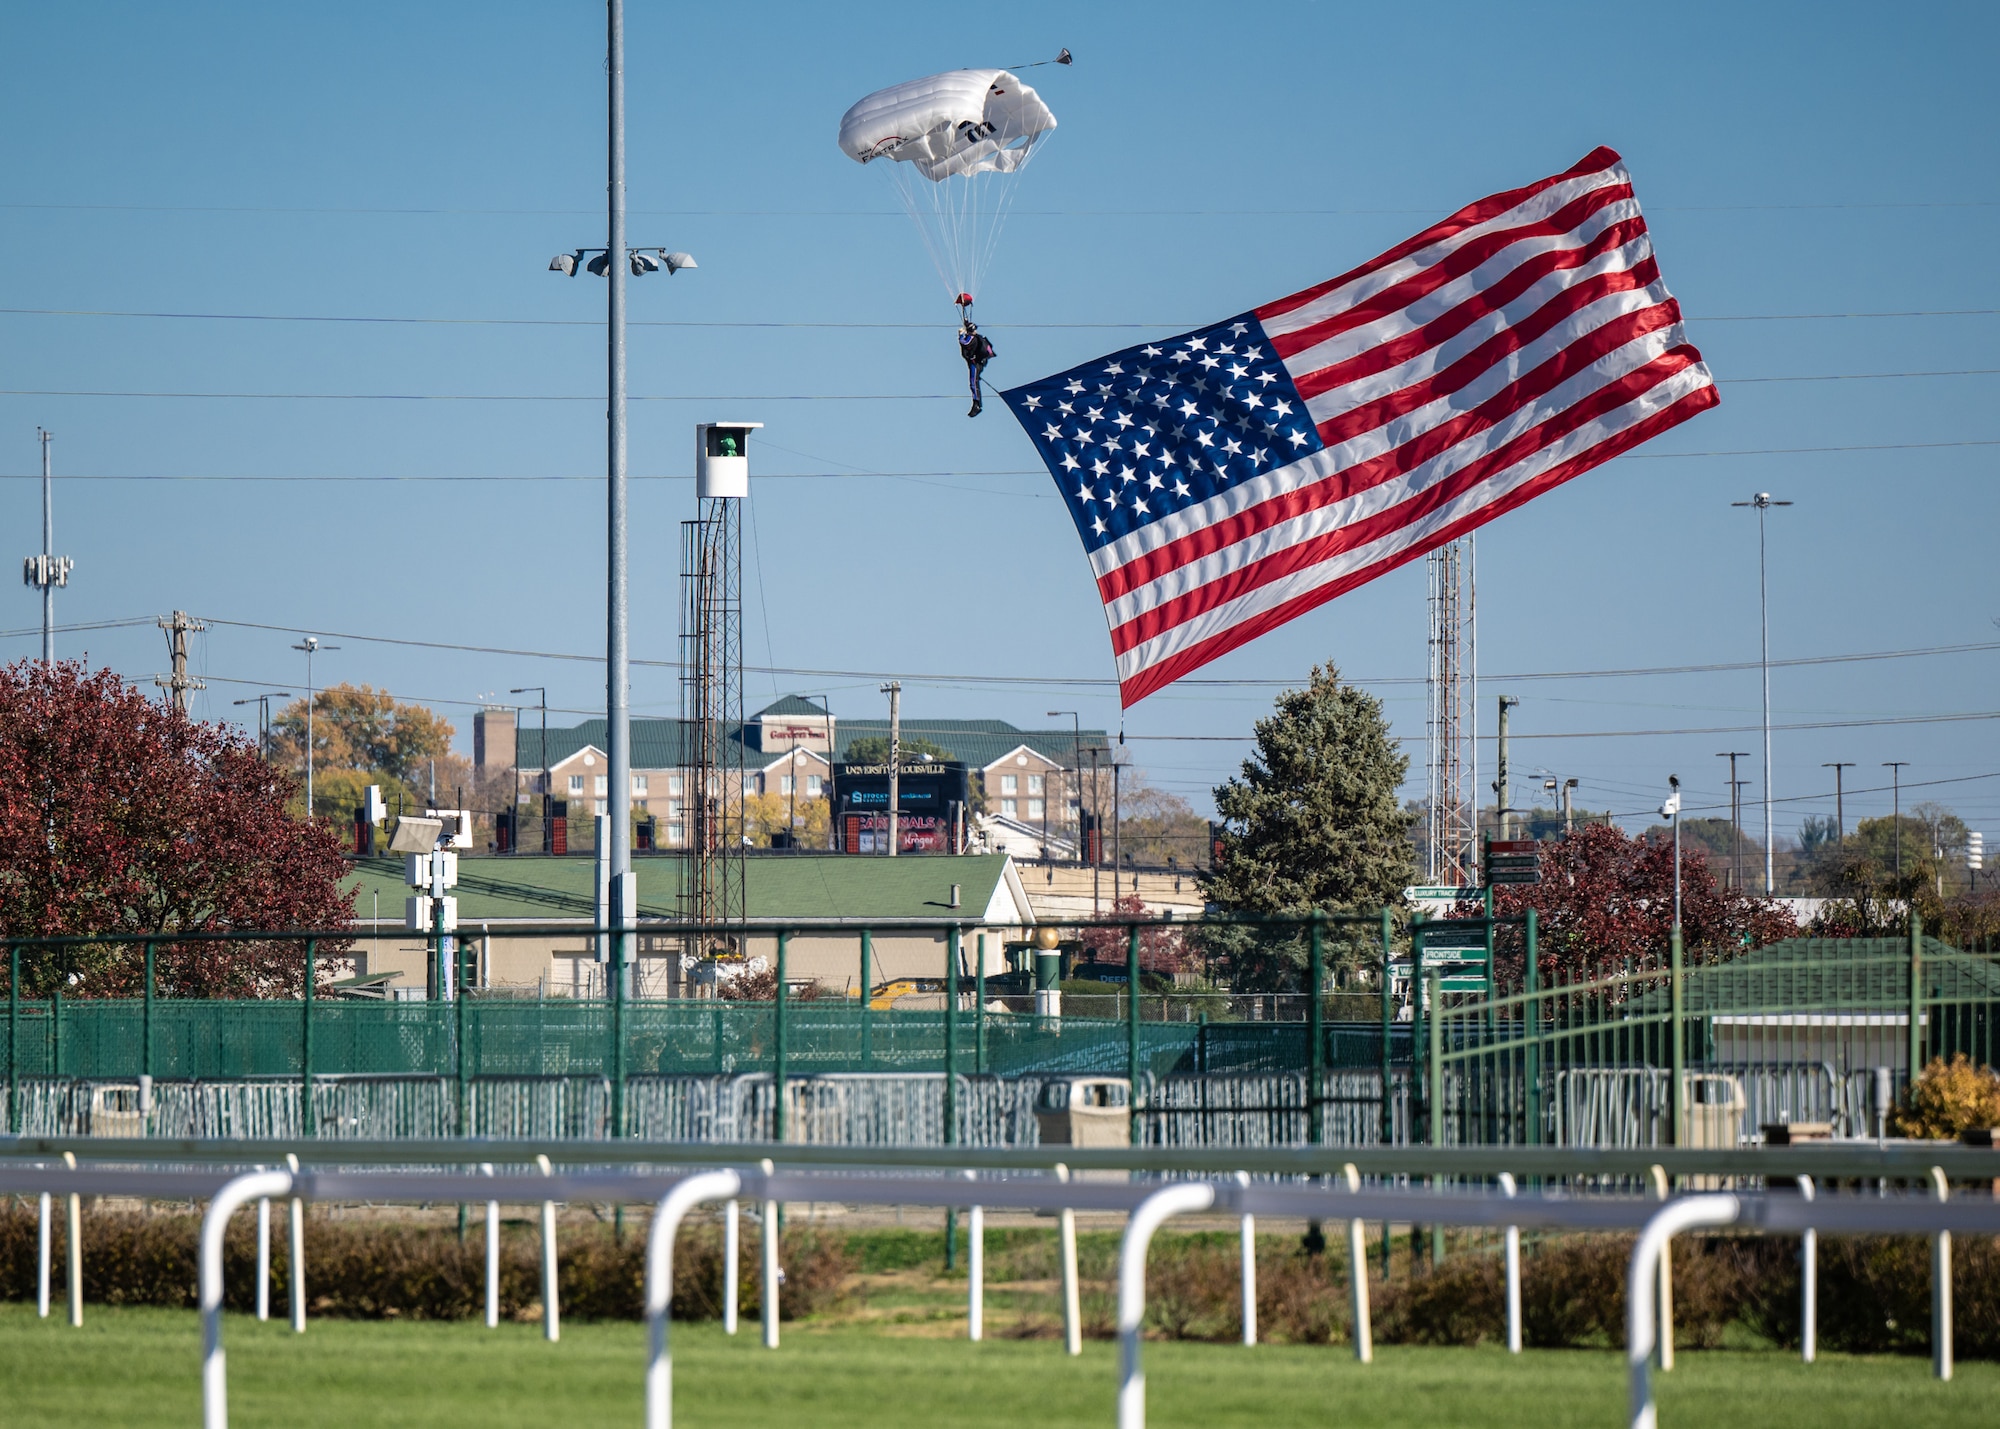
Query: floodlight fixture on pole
[[1671, 809], [641, 261], [47, 571], [1761, 503], [310, 644]]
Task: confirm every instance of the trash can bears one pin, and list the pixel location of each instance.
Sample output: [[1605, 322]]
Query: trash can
[[1085, 1111]]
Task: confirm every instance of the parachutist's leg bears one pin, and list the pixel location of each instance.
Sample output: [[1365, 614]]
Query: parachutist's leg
[[974, 371]]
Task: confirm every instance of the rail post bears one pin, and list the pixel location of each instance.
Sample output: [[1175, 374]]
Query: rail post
[[1941, 1331], [492, 1256], [1315, 1030], [214, 1372], [296, 1247], [1513, 1254], [1147, 1217], [707, 1186], [1132, 1032], [732, 1262], [307, 1120], [1808, 1283], [767, 1245], [1247, 1235], [1357, 1270], [779, 1006], [551, 1311], [1641, 1290], [1072, 1299], [73, 1233]]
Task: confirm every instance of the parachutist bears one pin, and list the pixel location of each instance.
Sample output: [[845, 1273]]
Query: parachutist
[[977, 350]]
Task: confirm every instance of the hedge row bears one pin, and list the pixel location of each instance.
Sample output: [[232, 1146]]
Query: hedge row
[[371, 1270]]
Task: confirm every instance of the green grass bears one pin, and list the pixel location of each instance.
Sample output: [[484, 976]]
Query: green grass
[[139, 1367]]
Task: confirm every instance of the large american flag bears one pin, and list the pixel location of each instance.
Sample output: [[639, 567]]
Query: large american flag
[[1232, 478]]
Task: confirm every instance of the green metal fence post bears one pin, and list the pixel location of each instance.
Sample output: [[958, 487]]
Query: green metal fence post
[[979, 1015], [1388, 1068], [458, 997], [778, 1041], [618, 1033], [1419, 1112], [55, 1031], [306, 1118], [14, 1037], [1436, 1120], [146, 1023], [1677, 1053], [1532, 1011], [1132, 1031], [867, 956], [1316, 1030], [951, 981], [1916, 997]]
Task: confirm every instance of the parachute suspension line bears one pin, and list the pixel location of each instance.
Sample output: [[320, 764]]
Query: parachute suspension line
[[959, 218]]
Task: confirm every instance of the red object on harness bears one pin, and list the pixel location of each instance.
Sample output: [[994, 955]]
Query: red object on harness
[[964, 300]]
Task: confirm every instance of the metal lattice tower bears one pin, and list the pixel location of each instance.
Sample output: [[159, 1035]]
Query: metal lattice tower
[[711, 635], [1450, 795]]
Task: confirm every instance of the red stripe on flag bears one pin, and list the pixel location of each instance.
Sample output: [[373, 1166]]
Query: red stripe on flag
[[1398, 461], [1302, 555], [1453, 266], [1157, 676], [1596, 161]]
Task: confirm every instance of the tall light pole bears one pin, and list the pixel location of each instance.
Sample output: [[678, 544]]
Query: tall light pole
[[1671, 809], [310, 644], [47, 570], [612, 262], [1896, 768], [1762, 502]]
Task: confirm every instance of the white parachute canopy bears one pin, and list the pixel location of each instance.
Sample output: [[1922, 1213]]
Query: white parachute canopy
[[953, 145]]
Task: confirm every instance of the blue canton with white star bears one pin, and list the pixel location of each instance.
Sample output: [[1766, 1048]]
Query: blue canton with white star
[[1157, 428]]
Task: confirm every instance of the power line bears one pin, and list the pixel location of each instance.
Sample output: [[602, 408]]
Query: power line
[[863, 676], [1434, 209], [390, 320]]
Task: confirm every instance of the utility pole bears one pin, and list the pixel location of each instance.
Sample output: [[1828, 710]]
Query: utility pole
[[894, 690], [263, 703], [547, 792], [310, 645], [1120, 757], [1839, 803], [1735, 819], [1500, 788], [1896, 768], [48, 570], [178, 685], [1569, 807]]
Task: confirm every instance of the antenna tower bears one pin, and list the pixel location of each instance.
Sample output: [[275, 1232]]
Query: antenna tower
[[711, 634], [1452, 857]]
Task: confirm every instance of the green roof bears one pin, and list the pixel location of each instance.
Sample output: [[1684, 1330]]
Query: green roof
[[803, 886], [658, 743], [976, 743], [790, 705]]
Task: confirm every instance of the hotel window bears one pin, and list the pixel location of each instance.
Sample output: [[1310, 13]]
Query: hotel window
[[600, 807], [784, 784], [1034, 783], [1034, 808], [749, 783], [639, 785], [1007, 807], [1010, 784], [603, 787], [673, 808], [674, 784], [814, 784], [576, 783]]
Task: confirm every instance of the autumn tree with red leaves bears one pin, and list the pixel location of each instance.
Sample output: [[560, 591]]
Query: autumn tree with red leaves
[[1605, 897], [1162, 951], [118, 815]]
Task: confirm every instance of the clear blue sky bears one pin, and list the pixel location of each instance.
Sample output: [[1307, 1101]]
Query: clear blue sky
[[424, 162]]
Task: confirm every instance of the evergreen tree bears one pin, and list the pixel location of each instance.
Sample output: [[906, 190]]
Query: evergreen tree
[[1313, 820]]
